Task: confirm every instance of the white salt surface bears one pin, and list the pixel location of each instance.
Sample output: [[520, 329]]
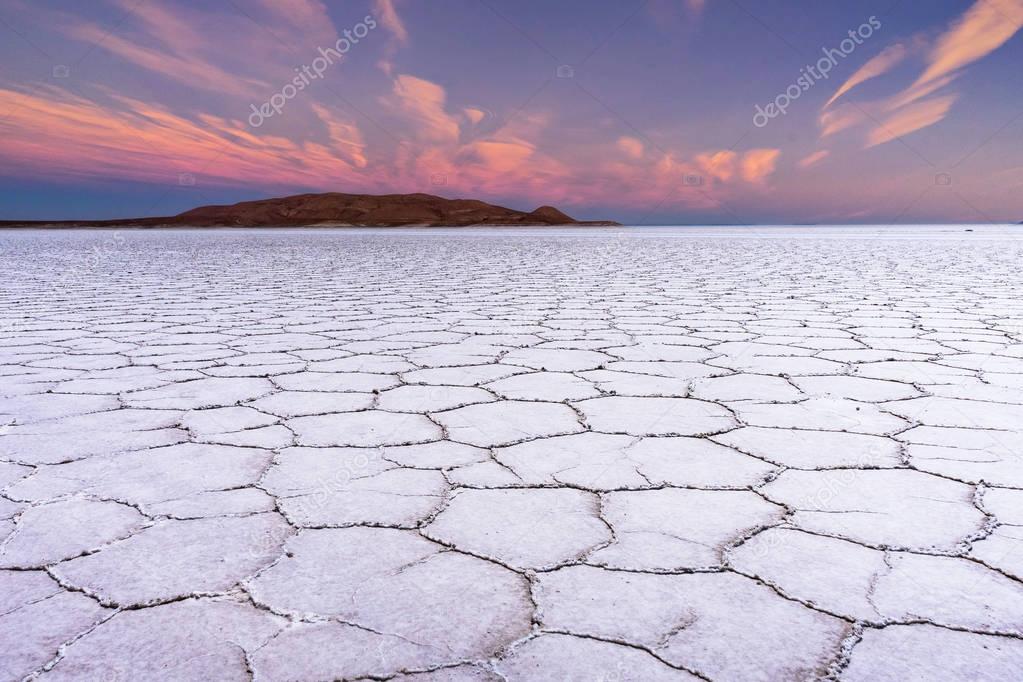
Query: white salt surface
[[498, 455]]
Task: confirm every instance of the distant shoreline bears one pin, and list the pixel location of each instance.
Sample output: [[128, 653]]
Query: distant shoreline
[[76, 225], [857, 229]]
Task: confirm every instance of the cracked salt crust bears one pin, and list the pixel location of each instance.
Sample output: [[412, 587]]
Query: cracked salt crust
[[424, 457]]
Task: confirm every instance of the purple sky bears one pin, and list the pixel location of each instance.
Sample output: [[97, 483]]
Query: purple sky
[[647, 112]]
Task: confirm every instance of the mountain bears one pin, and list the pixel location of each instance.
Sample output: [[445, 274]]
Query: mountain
[[334, 209]]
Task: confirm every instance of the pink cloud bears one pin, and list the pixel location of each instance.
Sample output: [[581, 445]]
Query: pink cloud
[[889, 58], [982, 29], [911, 118], [188, 70], [423, 104], [308, 18], [814, 159], [209, 49], [916, 92], [503, 157], [388, 16], [345, 137], [985, 27], [163, 24], [718, 165], [631, 147], [839, 119], [56, 133], [759, 164], [474, 115]]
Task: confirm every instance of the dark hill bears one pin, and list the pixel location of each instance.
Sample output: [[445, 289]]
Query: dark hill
[[334, 209]]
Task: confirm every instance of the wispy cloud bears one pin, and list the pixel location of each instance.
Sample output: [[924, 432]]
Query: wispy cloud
[[814, 159], [837, 120], [163, 24], [203, 48], [915, 92], [888, 59], [186, 69], [679, 17], [56, 133], [911, 118], [388, 16], [985, 27], [982, 29], [308, 18], [345, 138]]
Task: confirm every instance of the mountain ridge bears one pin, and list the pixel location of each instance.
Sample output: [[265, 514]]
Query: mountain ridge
[[337, 209]]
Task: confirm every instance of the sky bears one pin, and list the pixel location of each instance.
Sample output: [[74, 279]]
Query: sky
[[641, 111]]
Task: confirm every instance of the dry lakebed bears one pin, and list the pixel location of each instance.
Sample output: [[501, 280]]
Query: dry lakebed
[[512, 454]]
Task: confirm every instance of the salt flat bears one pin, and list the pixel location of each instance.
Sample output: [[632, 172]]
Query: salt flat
[[770, 454]]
